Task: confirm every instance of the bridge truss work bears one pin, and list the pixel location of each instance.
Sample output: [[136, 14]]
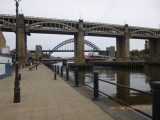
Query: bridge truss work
[[81, 28], [61, 26]]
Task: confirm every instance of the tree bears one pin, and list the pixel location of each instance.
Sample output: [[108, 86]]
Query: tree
[[139, 52], [134, 52]]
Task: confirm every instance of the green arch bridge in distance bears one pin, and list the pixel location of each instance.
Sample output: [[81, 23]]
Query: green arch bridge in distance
[[88, 43]]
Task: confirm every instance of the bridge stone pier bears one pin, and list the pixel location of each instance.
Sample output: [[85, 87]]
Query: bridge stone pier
[[79, 45], [22, 39], [122, 44], [154, 45], [2, 41]]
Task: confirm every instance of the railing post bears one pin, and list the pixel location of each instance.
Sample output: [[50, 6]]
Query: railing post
[[76, 77], [61, 71], [51, 67], [96, 86], [67, 73], [55, 68], [58, 69], [156, 101]]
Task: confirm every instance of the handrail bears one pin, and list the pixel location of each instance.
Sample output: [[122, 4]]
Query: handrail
[[88, 76], [148, 93], [133, 89], [119, 101]]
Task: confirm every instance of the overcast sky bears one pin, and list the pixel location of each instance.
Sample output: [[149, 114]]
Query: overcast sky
[[144, 13]]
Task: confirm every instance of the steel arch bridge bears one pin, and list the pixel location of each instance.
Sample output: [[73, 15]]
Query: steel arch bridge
[[86, 42]]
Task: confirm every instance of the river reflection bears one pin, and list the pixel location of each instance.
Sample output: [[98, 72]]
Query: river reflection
[[141, 79]]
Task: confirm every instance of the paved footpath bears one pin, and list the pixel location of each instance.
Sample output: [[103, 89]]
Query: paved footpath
[[43, 98]]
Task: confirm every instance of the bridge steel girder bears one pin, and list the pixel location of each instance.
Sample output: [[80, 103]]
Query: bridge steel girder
[[93, 46], [59, 26], [33, 51]]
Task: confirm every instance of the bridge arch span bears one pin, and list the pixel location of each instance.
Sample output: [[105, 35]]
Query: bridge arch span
[[56, 25], [147, 32], [105, 29], [90, 44], [6, 23]]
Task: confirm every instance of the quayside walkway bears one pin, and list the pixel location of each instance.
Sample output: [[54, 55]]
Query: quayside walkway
[[43, 98]]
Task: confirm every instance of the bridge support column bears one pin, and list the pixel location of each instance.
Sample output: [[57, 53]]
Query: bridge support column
[[123, 47], [79, 45], [22, 40], [2, 41], [154, 50]]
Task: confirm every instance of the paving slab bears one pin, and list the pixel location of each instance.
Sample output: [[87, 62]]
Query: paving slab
[[43, 98]]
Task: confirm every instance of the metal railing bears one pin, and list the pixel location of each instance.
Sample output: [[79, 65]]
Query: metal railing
[[76, 21], [155, 92], [119, 101]]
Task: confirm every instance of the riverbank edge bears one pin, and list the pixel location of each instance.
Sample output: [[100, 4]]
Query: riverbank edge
[[105, 103]]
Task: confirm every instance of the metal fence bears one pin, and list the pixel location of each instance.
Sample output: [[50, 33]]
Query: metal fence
[[155, 94]]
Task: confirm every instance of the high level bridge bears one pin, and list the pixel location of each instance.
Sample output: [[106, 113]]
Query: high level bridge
[[79, 29]]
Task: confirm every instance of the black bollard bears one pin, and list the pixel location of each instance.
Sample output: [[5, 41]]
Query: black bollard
[[96, 86], [67, 73], [61, 71], [76, 77], [156, 101]]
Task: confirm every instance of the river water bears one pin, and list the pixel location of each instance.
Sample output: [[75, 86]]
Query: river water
[[140, 79]]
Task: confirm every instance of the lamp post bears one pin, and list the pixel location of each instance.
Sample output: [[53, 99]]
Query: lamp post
[[17, 98]]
